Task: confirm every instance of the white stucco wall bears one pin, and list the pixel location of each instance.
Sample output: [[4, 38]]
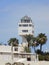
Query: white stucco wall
[[4, 48], [30, 29], [5, 56]]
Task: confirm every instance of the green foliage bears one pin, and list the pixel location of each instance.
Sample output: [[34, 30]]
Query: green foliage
[[41, 39], [14, 41], [41, 57], [39, 51], [26, 49], [44, 56], [34, 43], [47, 57], [28, 38]]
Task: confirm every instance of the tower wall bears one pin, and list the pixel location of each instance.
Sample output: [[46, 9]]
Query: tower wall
[[26, 27], [24, 41]]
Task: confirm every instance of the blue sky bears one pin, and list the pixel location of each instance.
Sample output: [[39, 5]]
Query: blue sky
[[11, 11]]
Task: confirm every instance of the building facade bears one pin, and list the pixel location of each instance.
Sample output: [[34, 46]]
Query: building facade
[[18, 55], [26, 27]]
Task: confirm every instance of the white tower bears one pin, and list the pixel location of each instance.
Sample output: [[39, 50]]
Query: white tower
[[26, 27]]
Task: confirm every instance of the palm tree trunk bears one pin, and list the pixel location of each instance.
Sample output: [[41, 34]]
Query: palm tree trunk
[[35, 52], [34, 49], [28, 45], [40, 47]]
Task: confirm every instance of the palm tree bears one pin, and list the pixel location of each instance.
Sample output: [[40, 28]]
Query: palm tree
[[34, 43], [28, 38], [26, 49], [13, 41], [41, 39]]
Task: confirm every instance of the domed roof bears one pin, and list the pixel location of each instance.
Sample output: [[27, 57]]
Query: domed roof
[[26, 18]]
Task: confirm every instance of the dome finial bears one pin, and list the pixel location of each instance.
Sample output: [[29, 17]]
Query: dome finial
[[26, 18]]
